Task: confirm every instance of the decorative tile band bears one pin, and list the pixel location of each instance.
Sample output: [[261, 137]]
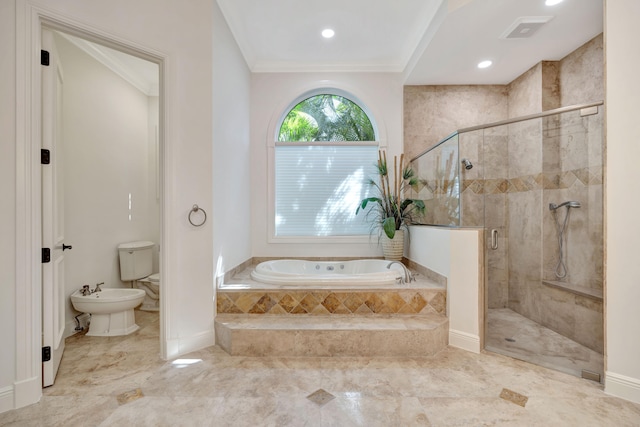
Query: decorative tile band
[[541, 181], [328, 302]]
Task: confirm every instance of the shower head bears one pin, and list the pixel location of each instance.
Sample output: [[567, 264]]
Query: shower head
[[568, 204], [467, 164]]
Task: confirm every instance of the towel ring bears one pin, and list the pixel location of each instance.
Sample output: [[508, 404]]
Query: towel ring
[[196, 208]]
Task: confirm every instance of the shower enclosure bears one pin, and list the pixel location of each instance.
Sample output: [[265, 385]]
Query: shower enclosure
[[534, 184]]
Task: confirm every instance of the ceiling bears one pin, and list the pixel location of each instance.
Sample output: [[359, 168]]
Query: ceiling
[[429, 41]]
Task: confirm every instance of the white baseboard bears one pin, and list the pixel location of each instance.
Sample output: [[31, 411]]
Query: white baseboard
[[27, 392], [6, 399], [180, 346], [464, 341], [622, 386]]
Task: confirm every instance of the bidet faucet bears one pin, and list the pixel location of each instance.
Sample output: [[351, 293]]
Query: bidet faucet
[[408, 277], [85, 290], [97, 289]]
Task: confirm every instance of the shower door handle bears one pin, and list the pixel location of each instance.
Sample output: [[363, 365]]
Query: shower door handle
[[494, 239]]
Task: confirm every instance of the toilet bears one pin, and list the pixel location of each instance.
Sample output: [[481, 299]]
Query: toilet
[[136, 266]]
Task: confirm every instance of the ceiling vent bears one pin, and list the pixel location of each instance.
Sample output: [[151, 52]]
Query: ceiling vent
[[525, 27]]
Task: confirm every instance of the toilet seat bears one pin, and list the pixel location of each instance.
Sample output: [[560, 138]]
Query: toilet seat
[[153, 278]]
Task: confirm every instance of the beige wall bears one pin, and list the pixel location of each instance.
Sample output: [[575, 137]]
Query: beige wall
[[431, 113], [582, 74]]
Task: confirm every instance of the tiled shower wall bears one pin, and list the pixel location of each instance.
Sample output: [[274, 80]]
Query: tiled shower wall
[[553, 160], [431, 113], [518, 170]]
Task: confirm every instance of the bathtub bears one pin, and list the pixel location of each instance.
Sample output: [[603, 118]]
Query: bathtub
[[364, 273]]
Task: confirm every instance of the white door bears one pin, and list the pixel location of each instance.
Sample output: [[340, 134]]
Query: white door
[[53, 283]]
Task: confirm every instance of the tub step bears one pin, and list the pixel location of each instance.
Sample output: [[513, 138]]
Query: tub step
[[326, 336]]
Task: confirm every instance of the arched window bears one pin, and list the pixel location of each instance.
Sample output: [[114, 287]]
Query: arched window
[[325, 153], [326, 118]]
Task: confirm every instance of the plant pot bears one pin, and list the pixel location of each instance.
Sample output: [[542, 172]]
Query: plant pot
[[393, 249]]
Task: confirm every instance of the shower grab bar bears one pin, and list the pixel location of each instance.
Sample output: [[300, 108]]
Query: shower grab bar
[[509, 121], [494, 239]]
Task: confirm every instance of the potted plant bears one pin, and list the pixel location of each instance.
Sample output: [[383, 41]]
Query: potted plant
[[392, 213]]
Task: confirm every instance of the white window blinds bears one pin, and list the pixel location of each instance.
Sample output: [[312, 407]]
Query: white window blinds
[[319, 187]]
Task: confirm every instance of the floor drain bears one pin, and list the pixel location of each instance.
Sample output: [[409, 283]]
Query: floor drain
[[510, 339], [590, 375]]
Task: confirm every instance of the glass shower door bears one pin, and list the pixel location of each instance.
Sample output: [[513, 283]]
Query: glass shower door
[[531, 313]]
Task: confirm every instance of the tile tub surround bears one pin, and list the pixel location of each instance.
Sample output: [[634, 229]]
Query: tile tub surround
[[330, 336], [242, 295], [257, 319], [327, 302], [452, 388]]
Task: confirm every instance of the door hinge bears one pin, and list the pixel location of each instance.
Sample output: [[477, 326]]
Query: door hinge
[[46, 255], [45, 156], [44, 58], [46, 354]]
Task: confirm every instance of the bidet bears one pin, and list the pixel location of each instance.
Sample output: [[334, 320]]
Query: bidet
[[111, 310]]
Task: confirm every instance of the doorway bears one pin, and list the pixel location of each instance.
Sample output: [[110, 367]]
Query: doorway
[[110, 185]]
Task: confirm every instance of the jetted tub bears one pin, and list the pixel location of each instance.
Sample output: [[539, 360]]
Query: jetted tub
[[364, 272]]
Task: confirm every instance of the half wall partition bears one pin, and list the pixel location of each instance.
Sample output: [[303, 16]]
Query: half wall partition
[[534, 184]]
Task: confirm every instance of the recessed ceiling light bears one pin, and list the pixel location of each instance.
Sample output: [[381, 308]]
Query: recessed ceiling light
[[328, 33], [485, 64], [552, 2]]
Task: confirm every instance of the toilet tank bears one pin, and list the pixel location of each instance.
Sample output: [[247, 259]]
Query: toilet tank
[[136, 260]]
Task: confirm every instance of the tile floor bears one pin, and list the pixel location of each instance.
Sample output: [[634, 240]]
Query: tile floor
[[121, 381], [534, 343]]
